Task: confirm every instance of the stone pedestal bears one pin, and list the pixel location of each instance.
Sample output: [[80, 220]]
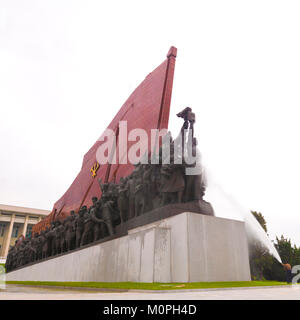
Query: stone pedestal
[[187, 247]]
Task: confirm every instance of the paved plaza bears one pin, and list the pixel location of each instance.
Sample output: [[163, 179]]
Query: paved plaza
[[17, 292]]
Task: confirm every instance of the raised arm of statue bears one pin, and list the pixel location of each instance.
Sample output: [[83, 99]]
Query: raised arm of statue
[[100, 184], [94, 218]]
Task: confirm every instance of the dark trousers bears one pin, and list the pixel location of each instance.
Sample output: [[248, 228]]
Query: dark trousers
[[289, 276]]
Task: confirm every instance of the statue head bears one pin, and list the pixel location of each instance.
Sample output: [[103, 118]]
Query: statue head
[[82, 210], [94, 200]]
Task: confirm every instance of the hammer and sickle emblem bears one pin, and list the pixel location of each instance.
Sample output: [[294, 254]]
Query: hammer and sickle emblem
[[94, 169]]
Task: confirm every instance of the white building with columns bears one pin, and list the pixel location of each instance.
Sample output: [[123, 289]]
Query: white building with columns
[[15, 222]]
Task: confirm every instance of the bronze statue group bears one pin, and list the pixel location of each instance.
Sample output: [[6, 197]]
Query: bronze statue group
[[148, 187]]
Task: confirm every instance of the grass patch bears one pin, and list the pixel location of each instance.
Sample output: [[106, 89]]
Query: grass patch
[[151, 286]]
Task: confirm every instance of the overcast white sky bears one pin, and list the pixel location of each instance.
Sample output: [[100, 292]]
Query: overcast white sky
[[66, 67]]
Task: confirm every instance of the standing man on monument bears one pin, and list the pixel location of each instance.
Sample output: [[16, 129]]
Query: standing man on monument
[[287, 267]]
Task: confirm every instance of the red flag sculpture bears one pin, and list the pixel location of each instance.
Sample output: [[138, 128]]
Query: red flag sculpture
[[147, 108]]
